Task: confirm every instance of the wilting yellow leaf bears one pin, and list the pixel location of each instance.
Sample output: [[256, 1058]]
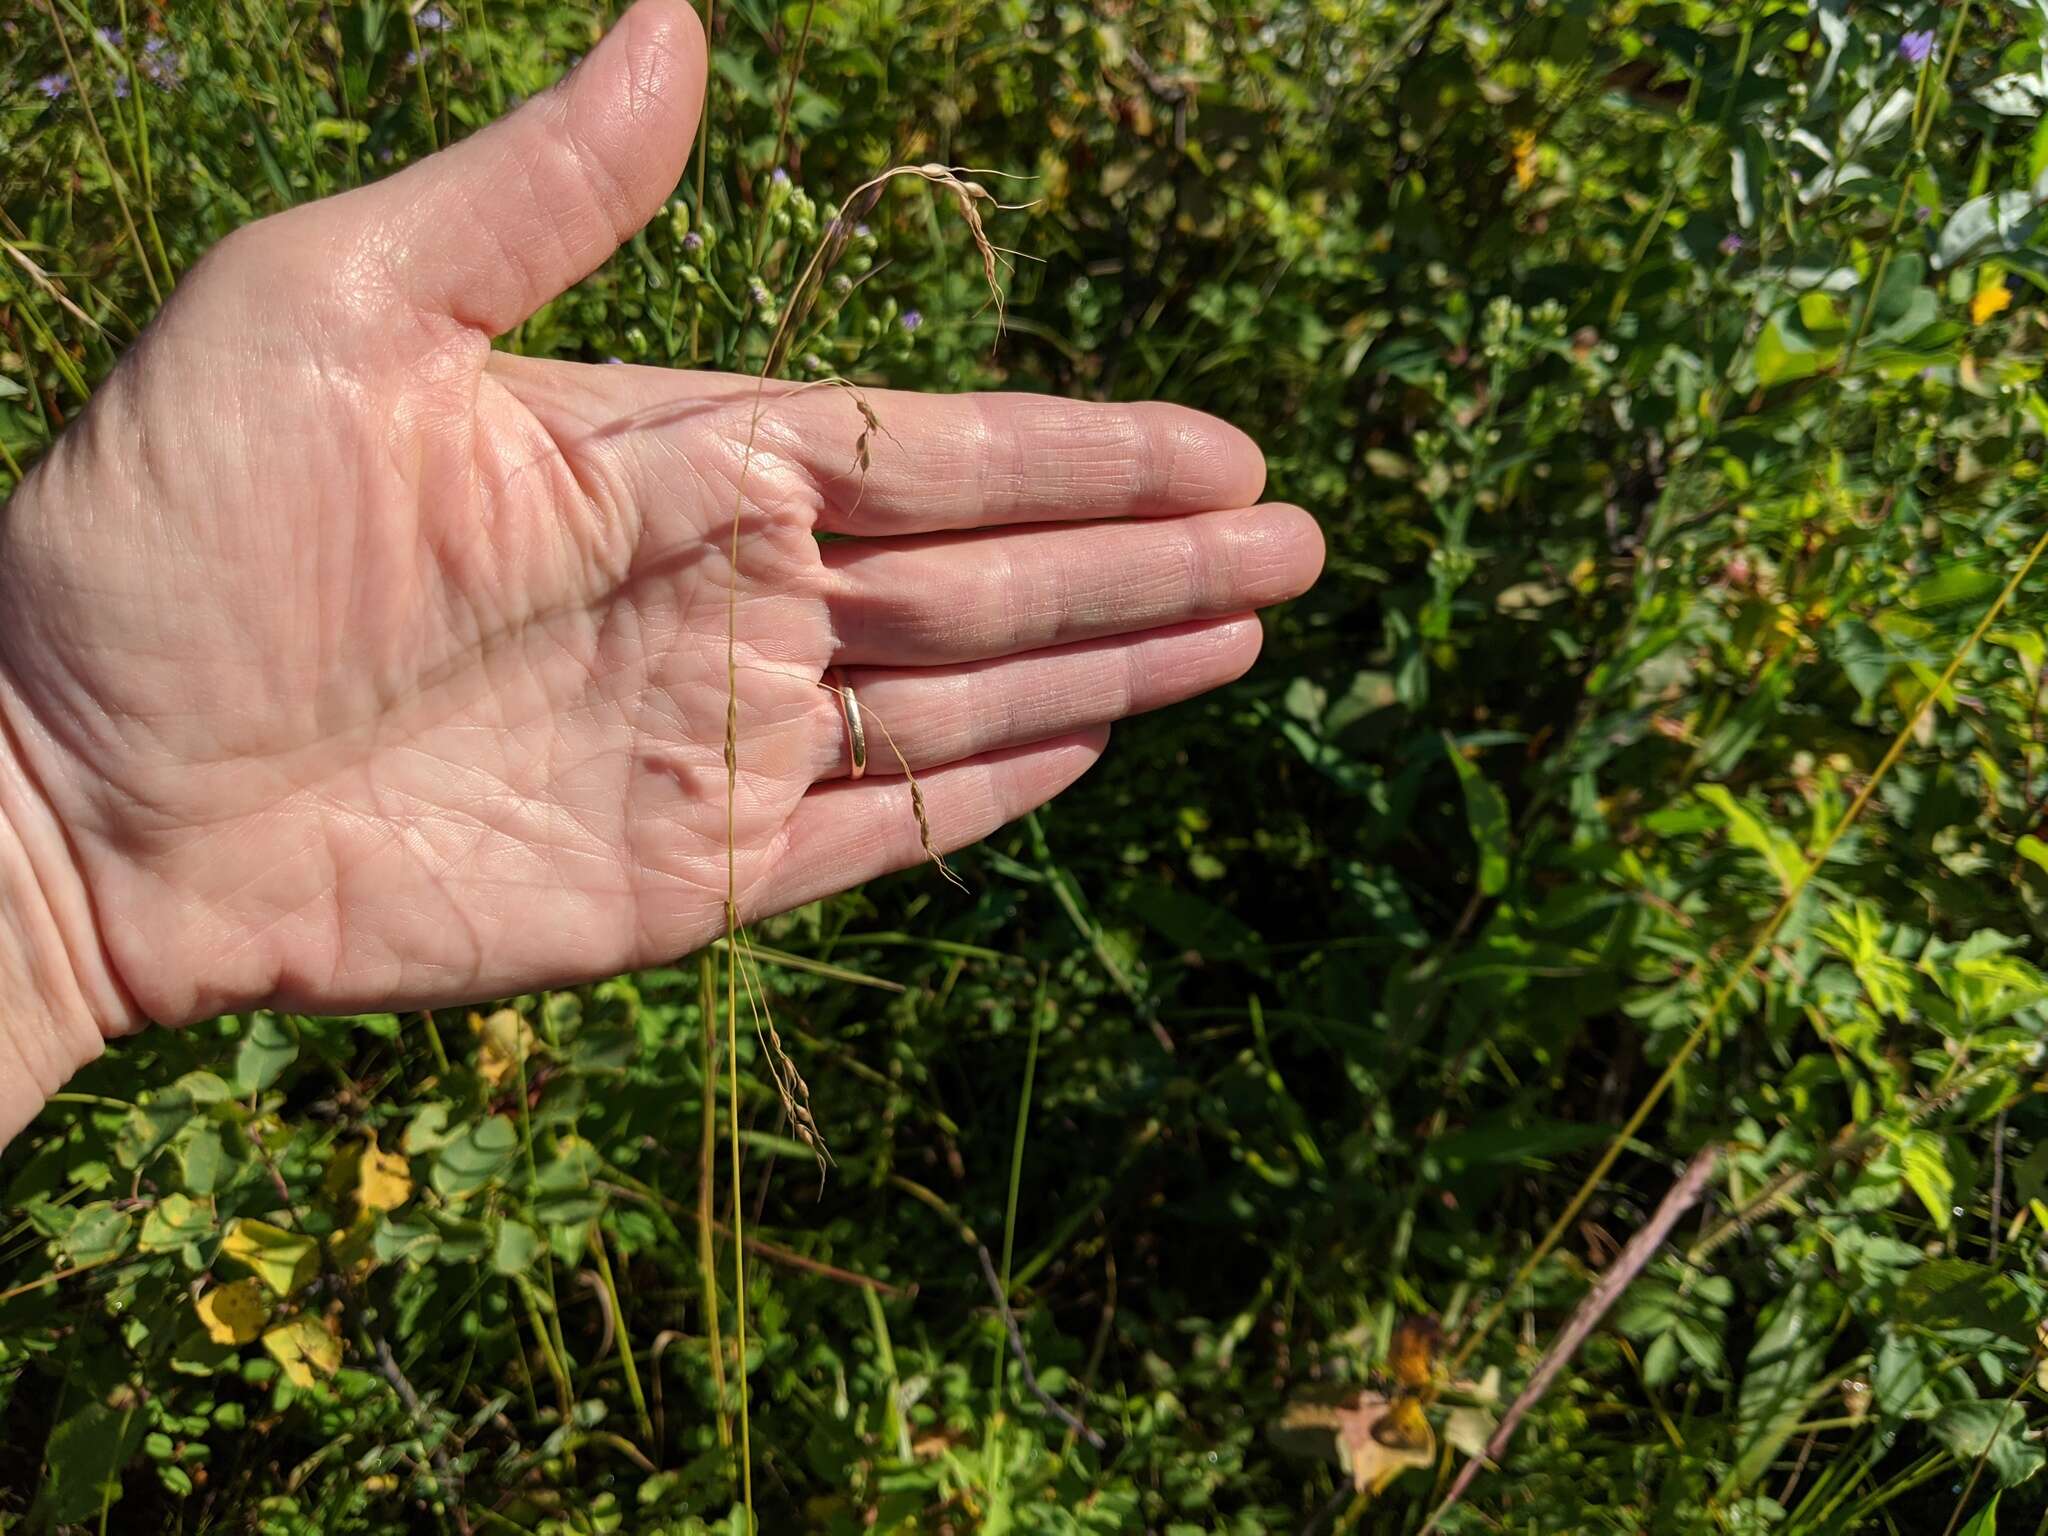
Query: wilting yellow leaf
[[503, 1041], [1372, 1438], [303, 1346], [284, 1261], [234, 1313], [383, 1181]]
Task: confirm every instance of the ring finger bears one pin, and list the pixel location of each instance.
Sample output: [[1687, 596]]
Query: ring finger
[[930, 716]]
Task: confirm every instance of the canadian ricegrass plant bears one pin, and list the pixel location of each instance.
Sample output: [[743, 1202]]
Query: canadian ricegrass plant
[[968, 198]]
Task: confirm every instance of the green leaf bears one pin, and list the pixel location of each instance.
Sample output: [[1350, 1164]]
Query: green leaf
[[1997, 221], [85, 1454], [1193, 925], [1486, 813], [472, 1159], [204, 1160], [1923, 1156], [1785, 352], [1783, 854], [1985, 1521], [1956, 1293], [172, 1222], [1990, 1431], [99, 1233], [266, 1050], [517, 1246], [1900, 1373]]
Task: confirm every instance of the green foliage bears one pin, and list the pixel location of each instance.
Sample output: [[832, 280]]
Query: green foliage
[[1668, 379]]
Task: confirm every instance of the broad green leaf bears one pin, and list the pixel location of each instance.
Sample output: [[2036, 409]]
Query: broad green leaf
[[1486, 813], [1956, 1293], [100, 1232], [267, 1048], [516, 1248], [204, 1160], [1997, 221], [1991, 1431], [1923, 1157], [472, 1159], [1784, 352], [84, 1456], [173, 1222]]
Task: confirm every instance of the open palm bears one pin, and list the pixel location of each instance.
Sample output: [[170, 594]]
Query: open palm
[[348, 663]]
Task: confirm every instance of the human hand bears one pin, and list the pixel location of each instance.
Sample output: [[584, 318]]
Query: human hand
[[346, 663]]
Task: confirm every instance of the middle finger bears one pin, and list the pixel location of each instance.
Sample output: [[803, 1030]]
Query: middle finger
[[950, 598]]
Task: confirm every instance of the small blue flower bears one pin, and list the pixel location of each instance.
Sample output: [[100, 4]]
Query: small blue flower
[[432, 19], [861, 232], [693, 241], [120, 87], [53, 86], [111, 36], [1731, 244], [911, 320], [779, 176], [1916, 48]]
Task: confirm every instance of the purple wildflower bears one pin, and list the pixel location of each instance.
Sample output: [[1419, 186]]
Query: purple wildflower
[[120, 87], [111, 36], [412, 58], [1731, 244], [160, 63], [779, 176], [911, 320], [693, 241], [431, 19], [1916, 48], [53, 86], [861, 232]]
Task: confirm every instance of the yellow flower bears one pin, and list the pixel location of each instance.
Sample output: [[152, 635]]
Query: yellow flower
[[1989, 301]]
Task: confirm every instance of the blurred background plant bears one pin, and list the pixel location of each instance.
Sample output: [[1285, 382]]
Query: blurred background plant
[[1667, 377]]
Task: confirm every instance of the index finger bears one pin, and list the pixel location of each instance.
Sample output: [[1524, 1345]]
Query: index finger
[[940, 462]]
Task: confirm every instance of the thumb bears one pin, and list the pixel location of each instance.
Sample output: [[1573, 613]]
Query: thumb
[[491, 229]]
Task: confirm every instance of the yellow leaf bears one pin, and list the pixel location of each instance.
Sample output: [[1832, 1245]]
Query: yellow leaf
[[1412, 1352], [503, 1041], [1372, 1438], [234, 1313], [1522, 151], [284, 1261], [1989, 301], [303, 1346], [383, 1181]]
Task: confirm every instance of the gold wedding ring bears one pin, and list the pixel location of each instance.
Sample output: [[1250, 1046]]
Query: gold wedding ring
[[856, 730]]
